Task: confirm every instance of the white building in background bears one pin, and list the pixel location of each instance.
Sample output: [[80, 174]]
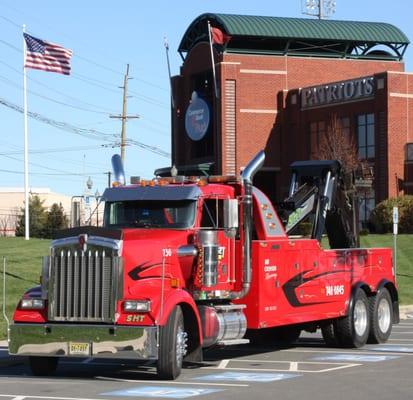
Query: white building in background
[[78, 209]]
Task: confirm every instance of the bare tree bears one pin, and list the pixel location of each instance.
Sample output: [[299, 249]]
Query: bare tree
[[339, 144], [5, 224]]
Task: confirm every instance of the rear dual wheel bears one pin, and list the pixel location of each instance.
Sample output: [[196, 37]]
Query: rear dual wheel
[[353, 330], [369, 320], [381, 316]]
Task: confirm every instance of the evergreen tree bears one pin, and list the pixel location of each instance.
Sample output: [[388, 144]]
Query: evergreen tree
[[56, 220], [37, 218]]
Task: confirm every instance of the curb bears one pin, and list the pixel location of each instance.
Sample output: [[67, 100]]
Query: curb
[[406, 312]]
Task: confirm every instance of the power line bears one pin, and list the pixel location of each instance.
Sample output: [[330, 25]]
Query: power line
[[19, 151], [61, 172], [88, 133], [53, 89], [53, 174], [10, 83], [54, 150]]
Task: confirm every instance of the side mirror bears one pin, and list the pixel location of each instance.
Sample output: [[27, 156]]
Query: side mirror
[[230, 214]]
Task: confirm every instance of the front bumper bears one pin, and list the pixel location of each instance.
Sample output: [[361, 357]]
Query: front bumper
[[65, 340]]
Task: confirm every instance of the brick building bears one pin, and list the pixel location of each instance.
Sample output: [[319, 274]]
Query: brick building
[[279, 82]]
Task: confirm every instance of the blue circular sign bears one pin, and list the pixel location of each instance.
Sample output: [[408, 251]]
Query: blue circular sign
[[197, 118]]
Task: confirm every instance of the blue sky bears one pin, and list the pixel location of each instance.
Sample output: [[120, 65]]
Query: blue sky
[[105, 36]]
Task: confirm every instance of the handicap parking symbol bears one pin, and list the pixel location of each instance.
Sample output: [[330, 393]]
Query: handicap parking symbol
[[247, 377], [167, 392]]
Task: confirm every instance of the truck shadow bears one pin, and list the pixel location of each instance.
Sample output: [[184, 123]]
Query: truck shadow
[[219, 353], [127, 370]]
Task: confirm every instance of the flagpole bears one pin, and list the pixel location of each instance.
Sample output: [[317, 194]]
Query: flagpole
[[166, 44], [26, 141], [212, 60]]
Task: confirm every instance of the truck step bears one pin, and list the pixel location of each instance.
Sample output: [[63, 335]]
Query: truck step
[[232, 342]]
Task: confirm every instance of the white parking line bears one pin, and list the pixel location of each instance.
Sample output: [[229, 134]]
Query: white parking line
[[288, 369], [223, 364], [291, 366], [294, 366], [22, 397], [168, 382]]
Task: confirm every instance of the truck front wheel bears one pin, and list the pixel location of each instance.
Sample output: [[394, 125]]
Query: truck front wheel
[[353, 330], [172, 346], [43, 366]]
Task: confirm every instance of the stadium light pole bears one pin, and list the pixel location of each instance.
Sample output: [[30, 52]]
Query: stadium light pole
[[319, 8]]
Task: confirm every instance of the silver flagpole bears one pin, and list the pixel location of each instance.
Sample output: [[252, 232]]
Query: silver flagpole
[[212, 60], [166, 44], [26, 154]]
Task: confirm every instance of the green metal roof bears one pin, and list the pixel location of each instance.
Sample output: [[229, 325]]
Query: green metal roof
[[273, 33]]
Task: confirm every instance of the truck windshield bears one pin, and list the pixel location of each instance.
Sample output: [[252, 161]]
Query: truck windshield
[[150, 214]]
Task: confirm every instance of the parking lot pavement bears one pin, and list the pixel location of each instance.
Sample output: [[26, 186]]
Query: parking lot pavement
[[307, 369]]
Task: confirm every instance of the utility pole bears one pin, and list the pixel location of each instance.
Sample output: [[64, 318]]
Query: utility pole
[[124, 117]]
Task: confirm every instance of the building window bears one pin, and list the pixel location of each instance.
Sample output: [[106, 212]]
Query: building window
[[365, 135], [317, 132], [367, 204], [409, 152]]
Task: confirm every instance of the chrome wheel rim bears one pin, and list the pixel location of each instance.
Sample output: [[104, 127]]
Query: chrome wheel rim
[[181, 345], [384, 315], [360, 318]]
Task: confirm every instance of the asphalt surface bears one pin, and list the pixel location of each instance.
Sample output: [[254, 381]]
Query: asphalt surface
[[306, 370]]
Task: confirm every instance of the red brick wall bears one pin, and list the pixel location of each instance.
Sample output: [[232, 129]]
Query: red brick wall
[[258, 91], [400, 126], [263, 84]]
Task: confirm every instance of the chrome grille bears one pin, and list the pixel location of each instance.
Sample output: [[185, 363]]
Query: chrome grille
[[83, 285]]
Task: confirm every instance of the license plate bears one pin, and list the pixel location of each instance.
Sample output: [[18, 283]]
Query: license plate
[[79, 348]]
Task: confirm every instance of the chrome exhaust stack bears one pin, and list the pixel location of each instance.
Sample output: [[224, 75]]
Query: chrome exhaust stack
[[118, 171], [247, 177]]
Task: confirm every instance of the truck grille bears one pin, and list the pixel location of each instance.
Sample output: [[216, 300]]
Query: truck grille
[[83, 285]]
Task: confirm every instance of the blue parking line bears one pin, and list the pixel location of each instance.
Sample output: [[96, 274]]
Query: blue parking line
[[393, 349], [354, 358]]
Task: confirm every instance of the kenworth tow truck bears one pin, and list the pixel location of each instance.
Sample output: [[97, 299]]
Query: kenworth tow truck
[[186, 263]]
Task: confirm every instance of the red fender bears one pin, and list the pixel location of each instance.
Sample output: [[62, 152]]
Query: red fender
[[174, 298]]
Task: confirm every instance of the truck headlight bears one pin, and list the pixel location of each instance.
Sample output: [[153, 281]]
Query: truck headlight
[[32, 304], [137, 306]]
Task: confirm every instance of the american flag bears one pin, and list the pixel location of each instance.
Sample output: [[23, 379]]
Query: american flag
[[46, 56]]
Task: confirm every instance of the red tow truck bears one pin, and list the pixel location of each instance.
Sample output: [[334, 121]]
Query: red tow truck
[[186, 263]]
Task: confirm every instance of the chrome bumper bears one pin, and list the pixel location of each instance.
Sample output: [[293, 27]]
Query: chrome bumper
[[64, 340]]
